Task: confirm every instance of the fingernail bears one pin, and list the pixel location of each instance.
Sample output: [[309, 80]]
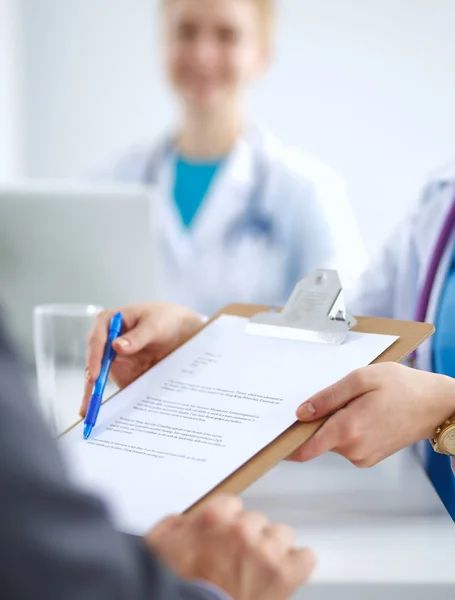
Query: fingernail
[[306, 411], [124, 343], [88, 375]]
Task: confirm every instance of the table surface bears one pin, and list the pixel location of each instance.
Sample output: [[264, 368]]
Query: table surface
[[381, 525]]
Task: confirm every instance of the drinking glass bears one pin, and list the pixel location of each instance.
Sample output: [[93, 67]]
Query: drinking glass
[[60, 340]]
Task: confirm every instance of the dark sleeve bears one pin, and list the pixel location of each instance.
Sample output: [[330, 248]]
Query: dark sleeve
[[55, 542]]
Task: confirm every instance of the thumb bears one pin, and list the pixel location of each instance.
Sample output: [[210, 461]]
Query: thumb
[[336, 396], [135, 340]]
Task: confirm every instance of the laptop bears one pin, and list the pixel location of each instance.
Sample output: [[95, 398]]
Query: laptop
[[66, 242]]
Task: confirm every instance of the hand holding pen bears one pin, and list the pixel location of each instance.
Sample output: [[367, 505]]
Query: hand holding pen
[[115, 330], [150, 331]]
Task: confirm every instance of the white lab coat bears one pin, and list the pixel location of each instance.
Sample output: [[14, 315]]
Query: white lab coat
[[391, 285], [306, 199]]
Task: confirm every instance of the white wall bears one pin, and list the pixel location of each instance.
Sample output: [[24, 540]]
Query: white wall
[[10, 91], [91, 81], [366, 85]]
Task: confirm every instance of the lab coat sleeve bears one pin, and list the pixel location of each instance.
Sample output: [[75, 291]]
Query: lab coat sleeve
[[327, 230], [374, 293]]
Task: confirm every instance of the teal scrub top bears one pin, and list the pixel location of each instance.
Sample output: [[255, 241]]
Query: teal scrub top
[[191, 185]]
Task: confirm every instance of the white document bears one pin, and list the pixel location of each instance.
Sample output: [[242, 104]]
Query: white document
[[182, 428]]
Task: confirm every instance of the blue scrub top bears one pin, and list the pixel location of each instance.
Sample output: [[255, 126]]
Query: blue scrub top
[[192, 182], [439, 466]]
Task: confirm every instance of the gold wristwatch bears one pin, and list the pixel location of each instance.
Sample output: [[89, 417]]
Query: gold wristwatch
[[444, 440]]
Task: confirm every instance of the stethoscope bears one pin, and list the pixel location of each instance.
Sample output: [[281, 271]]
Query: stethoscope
[[440, 248], [255, 221]]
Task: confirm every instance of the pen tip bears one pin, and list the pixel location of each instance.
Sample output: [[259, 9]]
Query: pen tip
[[87, 431]]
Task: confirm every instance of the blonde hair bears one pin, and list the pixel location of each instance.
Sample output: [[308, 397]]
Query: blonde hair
[[266, 9]]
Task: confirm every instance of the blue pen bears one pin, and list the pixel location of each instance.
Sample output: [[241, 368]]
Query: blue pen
[[115, 330]]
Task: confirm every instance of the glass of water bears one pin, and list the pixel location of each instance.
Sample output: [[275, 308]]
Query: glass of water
[[60, 339]]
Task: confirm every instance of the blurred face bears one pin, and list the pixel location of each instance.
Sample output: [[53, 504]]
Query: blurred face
[[214, 48]]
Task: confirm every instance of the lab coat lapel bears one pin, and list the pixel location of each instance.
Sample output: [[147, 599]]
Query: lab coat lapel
[[227, 197]]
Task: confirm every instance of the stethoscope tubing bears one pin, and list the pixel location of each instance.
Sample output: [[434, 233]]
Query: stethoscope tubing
[[441, 245]]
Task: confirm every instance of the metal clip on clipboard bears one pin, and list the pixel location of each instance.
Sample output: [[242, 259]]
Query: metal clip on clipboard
[[315, 312]]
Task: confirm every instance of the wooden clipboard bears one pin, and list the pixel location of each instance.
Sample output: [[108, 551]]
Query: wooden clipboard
[[411, 336]]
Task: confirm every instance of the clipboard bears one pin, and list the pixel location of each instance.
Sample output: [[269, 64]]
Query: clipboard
[[315, 312], [410, 336]]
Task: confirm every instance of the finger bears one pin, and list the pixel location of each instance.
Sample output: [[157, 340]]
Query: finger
[[219, 510], [144, 333], [95, 348], [281, 536], [251, 527], [88, 388], [98, 336], [294, 457], [302, 563], [324, 440], [164, 527], [338, 395], [97, 342]]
